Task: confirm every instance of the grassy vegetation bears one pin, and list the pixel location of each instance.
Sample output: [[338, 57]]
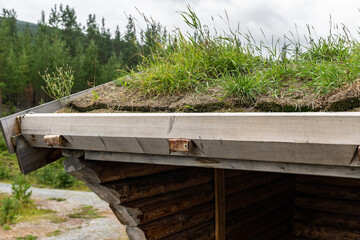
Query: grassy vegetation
[[86, 212], [27, 237], [54, 233], [51, 176], [18, 207], [243, 68]]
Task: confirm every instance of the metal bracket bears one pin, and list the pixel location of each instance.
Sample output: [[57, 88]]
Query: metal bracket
[[52, 140], [181, 145]]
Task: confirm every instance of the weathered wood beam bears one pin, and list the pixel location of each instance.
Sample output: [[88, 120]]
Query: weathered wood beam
[[326, 191], [30, 159], [147, 186], [101, 171], [315, 128], [334, 206], [324, 232], [146, 210], [318, 138], [316, 218], [239, 164], [174, 223], [240, 217], [260, 225], [248, 197], [204, 231], [220, 212]]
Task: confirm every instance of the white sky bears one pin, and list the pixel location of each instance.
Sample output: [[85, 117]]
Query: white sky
[[275, 17]]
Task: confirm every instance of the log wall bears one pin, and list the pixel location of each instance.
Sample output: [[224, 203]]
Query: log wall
[[154, 201], [168, 202], [160, 202], [259, 206], [327, 208]]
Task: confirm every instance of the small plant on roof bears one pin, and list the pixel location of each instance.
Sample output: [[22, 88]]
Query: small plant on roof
[[59, 83]]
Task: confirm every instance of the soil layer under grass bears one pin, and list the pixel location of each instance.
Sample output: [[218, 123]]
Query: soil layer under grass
[[114, 98]]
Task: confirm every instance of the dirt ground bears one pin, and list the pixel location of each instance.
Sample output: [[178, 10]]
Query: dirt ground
[[59, 225]]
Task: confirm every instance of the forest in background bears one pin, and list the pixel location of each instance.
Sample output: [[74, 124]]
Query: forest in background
[[95, 54]]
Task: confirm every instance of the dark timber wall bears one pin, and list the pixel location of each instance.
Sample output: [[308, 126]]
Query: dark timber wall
[[173, 203], [327, 208]]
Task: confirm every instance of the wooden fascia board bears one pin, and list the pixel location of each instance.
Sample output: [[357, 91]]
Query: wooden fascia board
[[306, 128], [309, 138]]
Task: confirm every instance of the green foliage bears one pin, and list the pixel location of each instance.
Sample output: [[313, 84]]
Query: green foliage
[[244, 87], [59, 83], [86, 212], [27, 237], [20, 190], [55, 176], [5, 171], [9, 210], [243, 68]]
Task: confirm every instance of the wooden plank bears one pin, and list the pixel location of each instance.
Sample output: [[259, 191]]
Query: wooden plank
[[28, 157], [9, 126], [147, 210], [324, 232], [265, 151], [333, 206], [174, 223], [100, 172], [307, 169], [313, 128], [220, 214]]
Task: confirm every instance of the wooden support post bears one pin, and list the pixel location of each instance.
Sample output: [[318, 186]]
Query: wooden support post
[[220, 214]]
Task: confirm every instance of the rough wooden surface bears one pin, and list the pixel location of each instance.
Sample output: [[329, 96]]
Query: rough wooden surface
[[154, 203], [327, 208], [179, 203], [316, 138], [220, 209], [239, 164], [30, 159]]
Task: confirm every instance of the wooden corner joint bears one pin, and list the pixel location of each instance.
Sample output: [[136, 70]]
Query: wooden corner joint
[[54, 140], [181, 145]]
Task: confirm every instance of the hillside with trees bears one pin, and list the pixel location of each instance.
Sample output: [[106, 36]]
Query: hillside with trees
[[95, 54]]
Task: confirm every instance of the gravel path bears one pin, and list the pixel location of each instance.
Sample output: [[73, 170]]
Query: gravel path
[[107, 228]]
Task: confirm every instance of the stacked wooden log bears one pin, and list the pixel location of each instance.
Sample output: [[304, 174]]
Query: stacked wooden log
[[169, 202], [154, 201], [327, 208], [258, 205]]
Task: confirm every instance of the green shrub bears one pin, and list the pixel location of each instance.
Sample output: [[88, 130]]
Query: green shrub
[[55, 176], [9, 210], [3, 146], [5, 172], [20, 190]]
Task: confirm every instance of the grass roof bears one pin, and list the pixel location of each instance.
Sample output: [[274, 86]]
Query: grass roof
[[232, 72]]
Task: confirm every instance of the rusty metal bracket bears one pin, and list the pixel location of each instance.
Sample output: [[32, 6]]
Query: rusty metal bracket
[[54, 140], [181, 145]]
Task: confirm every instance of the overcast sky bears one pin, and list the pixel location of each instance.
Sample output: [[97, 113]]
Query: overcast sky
[[275, 17]]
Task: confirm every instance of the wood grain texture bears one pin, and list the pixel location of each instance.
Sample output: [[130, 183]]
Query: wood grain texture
[[220, 212], [28, 157], [264, 166], [101, 172], [314, 128]]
